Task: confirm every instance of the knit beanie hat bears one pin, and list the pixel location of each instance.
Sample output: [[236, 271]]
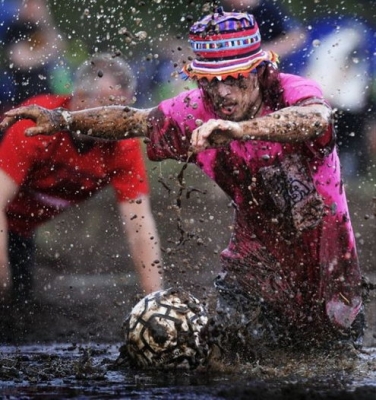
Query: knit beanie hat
[[226, 44]]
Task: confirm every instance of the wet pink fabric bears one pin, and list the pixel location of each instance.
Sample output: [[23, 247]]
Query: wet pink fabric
[[292, 243]]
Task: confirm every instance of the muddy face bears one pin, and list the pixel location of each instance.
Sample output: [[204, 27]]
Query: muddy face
[[234, 99]]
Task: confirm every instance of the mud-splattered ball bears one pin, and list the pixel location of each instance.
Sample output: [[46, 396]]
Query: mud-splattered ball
[[163, 330]]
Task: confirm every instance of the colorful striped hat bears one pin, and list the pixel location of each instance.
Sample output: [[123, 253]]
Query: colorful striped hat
[[226, 44]]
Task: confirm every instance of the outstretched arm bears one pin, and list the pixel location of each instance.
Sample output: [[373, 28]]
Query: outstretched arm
[[9, 189], [110, 122], [291, 124], [142, 237]]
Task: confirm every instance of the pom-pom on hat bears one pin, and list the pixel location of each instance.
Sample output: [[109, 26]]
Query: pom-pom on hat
[[226, 44]]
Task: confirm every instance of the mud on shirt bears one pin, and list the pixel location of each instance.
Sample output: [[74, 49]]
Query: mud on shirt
[[292, 242]]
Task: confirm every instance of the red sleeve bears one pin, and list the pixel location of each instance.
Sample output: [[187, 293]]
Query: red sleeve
[[17, 152], [130, 177]]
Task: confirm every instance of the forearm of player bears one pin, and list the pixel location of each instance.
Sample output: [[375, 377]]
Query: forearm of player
[[291, 124], [146, 256], [5, 276], [143, 239], [9, 188], [111, 122]]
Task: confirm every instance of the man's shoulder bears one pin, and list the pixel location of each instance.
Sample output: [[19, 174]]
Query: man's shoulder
[[297, 87], [296, 80]]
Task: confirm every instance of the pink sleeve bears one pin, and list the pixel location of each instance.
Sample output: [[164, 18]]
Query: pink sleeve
[[301, 91], [172, 124], [297, 88]]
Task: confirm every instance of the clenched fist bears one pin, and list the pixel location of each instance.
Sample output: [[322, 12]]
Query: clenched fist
[[214, 133]]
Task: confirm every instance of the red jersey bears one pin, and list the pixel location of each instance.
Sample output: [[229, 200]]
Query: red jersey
[[53, 174]]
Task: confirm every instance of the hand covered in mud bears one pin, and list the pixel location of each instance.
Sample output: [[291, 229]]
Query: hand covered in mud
[[47, 121], [214, 133]]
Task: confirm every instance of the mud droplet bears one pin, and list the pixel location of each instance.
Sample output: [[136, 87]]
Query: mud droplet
[[142, 35]]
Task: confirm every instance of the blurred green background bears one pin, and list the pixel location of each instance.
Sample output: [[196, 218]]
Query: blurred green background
[[91, 25]]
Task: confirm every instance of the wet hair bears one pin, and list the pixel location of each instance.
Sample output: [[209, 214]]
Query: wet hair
[[101, 64], [270, 86]]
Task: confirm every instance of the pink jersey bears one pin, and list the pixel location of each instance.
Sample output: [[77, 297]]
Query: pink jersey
[[292, 242]]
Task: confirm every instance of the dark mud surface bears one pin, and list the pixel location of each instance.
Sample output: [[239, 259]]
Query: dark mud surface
[[91, 371], [65, 343]]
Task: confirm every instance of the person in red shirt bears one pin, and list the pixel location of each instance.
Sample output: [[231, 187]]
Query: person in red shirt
[[41, 177]]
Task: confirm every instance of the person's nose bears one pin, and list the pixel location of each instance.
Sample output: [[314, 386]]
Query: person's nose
[[223, 89]]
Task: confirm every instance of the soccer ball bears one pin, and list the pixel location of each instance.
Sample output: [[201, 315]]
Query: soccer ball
[[163, 330]]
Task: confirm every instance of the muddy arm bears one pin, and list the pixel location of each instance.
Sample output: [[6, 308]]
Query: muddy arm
[[111, 122], [291, 124]]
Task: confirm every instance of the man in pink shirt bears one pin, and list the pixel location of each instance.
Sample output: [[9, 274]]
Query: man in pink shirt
[[267, 139]]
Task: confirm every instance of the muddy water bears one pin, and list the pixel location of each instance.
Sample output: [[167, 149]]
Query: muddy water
[[91, 371], [84, 286]]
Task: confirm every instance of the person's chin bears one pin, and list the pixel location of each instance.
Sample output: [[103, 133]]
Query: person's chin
[[233, 116]]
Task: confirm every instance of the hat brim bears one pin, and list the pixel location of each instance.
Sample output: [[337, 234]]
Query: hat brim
[[222, 69]]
